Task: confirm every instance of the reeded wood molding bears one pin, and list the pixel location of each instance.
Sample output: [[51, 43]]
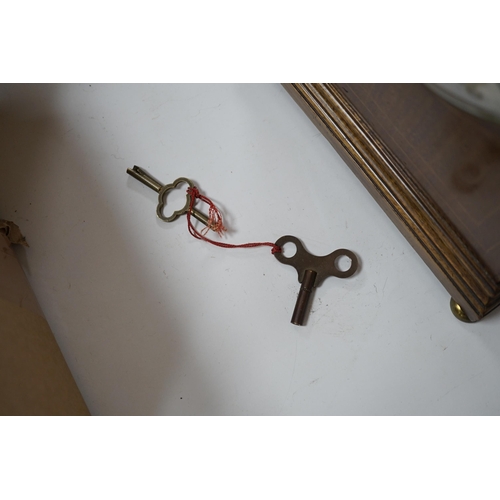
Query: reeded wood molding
[[417, 216]]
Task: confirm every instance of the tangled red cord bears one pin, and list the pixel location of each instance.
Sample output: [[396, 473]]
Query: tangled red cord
[[215, 223]]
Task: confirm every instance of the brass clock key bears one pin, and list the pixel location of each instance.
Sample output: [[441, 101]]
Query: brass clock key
[[162, 190], [313, 270]]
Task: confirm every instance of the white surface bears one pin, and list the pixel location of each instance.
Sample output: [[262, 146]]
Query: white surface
[[152, 321]]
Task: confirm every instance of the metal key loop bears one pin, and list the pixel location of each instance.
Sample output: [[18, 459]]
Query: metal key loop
[[162, 190], [312, 270]]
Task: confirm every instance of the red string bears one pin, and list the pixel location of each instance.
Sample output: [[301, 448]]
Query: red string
[[215, 223]]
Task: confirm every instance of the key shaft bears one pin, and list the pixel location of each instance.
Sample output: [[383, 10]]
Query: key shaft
[[299, 313], [142, 176]]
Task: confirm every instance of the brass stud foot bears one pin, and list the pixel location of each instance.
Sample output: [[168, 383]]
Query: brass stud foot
[[458, 312]]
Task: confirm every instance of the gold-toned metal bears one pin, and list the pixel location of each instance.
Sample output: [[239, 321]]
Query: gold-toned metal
[[458, 312], [162, 190], [142, 176], [312, 271], [162, 200]]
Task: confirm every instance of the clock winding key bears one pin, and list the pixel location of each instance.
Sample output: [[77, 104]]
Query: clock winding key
[[162, 190], [313, 270]]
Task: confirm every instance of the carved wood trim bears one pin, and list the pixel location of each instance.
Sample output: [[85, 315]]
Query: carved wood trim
[[450, 256]]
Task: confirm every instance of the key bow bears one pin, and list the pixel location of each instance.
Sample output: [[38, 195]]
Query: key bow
[[324, 265], [162, 199]]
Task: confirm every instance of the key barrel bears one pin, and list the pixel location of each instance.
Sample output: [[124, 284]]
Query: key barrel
[[300, 310], [142, 176]]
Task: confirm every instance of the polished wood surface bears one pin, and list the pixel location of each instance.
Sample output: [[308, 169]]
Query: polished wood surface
[[433, 168]]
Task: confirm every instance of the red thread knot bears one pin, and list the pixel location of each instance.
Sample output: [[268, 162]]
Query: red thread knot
[[215, 223], [193, 191]]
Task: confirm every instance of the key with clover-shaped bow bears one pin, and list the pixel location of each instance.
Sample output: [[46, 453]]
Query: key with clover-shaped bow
[[162, 190]]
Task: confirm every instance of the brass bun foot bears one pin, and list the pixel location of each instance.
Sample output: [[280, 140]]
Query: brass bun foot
[[458, 312]]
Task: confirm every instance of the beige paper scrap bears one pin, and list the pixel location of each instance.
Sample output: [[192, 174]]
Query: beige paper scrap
[[34, 377]]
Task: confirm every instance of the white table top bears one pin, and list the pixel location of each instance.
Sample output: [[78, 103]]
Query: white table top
[[152, 321]]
